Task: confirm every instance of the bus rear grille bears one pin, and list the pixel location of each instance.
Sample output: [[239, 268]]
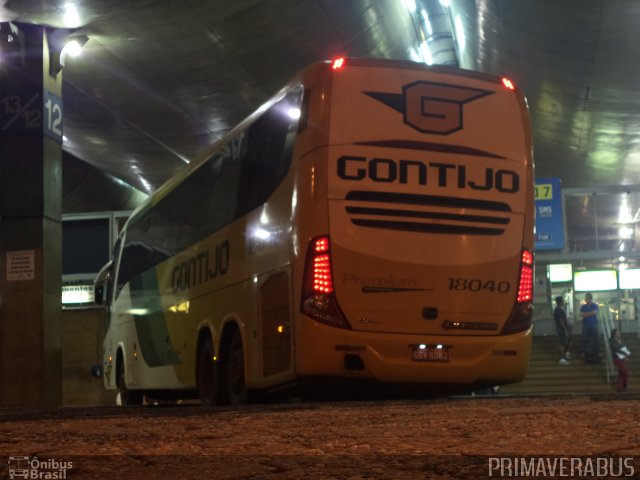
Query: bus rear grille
[[485, 222]]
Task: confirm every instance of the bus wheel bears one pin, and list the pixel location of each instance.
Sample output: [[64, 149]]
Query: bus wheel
[[207, 375], [127, 397], [234, 366]]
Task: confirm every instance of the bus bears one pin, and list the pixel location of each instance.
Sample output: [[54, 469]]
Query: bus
[[372, 221]]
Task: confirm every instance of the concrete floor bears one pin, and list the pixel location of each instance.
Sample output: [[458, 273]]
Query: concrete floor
[[391, 439]]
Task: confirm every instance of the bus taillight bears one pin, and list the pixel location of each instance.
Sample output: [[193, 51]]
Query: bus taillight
[[338, 63], [318, 298], [525, 286], [522, 313], [322, 281], [507, 83]]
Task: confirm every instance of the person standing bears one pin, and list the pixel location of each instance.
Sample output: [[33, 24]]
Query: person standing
[[564, 331], [619, 353], [589, 314]]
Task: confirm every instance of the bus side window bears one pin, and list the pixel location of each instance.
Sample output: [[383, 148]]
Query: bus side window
[[268, 156]]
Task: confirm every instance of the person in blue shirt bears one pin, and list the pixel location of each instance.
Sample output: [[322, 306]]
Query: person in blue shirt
[[589, 314]]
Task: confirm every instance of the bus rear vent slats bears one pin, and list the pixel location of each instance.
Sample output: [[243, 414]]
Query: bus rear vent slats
[[482, 221]]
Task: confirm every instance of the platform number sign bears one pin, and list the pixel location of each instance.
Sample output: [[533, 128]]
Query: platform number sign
[[20, 113], [31, 112], [549, 214], [52, 111], [543, 191]]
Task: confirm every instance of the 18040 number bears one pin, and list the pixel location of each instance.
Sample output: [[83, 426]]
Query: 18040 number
[[477, 285]]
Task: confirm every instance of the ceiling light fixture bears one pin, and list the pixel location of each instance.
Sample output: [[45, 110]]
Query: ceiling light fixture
[[72, 47], [625, 232], [71, 16], [64, 43]]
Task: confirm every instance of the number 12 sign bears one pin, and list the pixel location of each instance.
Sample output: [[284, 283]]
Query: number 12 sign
[[52, 113]]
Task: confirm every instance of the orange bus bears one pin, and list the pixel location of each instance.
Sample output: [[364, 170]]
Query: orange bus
[[373, 221]]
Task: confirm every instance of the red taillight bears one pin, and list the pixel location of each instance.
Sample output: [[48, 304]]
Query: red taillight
[[322, 274], [318, 299], [338, 63], [507, 83], [321, 244], [522, 312], [525, 286]]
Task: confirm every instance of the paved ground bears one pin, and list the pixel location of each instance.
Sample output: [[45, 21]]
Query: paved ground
[[393, 439]]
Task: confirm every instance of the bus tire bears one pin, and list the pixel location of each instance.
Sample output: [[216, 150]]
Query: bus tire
[[207, 375], [234, 371], [127, 397]]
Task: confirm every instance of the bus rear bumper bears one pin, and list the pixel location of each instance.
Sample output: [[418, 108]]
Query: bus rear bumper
[[325, 351]]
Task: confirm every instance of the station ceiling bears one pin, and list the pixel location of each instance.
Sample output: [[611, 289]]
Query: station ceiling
[[160, 80]]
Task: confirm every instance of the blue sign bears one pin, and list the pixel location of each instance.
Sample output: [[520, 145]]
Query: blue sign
[[52, 112], [549, 217], [29, 110]]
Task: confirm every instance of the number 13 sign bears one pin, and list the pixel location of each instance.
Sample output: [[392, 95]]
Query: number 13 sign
[[22, 112]]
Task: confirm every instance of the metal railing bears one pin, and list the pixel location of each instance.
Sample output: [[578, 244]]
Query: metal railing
[[605, 319]]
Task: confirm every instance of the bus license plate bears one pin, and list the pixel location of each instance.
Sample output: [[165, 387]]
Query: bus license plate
[[430, 354]]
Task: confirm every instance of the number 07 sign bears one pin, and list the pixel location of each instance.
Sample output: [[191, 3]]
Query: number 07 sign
[[549, 215]]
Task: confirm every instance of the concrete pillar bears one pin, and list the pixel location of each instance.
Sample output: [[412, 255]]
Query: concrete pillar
[[30, 218]]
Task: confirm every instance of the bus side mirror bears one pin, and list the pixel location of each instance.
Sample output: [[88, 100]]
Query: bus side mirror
[[98, 294]]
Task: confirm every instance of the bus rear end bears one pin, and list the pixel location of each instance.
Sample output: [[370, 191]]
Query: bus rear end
[[423, 271]]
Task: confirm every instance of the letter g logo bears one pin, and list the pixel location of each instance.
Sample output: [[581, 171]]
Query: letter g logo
[[431, 107]]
